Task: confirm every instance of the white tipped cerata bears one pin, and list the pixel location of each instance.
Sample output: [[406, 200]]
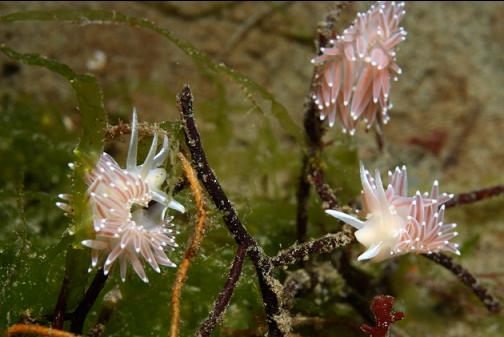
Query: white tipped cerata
[[357, 68], [397, 223], [129, 210]]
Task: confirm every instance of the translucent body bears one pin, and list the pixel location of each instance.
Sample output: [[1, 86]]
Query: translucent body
[[357, 67], [396, 223], [129, 210]]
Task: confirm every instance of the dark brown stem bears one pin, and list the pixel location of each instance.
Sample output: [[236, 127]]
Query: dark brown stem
[[222, 301], [468, 279], [359, 284], [359, 303], [324, 191], [380, 140], [355, 278], [474, 196], [326, 244], [110, 303], [59, 311], [181, 184], [303, 196], [208, 179], [314, 131], [295, 282], [80, 314]]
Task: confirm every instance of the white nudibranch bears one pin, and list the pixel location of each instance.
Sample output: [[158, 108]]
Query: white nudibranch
[[129, 210], [396, 223]]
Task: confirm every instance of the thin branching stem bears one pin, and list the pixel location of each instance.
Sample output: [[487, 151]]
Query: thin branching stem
[[240, 234], [109, 305], [302, 196], [59, 311], [491, 303], [264, 265], [314, 130], [475, 196], [325, 244], [324, 191], [90, 297], [222, 301], [208, 178]]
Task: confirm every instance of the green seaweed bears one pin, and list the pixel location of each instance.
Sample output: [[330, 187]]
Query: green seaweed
[[90, 102], [251, 89], [29, 277]]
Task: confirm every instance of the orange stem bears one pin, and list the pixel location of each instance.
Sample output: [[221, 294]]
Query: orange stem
[[32, 329], [194, 244]]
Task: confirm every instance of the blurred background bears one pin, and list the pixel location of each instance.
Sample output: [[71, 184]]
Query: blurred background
[[446, 124]]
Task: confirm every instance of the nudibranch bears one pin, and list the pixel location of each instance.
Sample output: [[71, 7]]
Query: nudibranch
[[396, 223], [129, 210], [356, 68]]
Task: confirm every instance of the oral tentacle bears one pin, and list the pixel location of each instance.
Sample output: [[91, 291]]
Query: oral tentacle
[[131, 161]]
